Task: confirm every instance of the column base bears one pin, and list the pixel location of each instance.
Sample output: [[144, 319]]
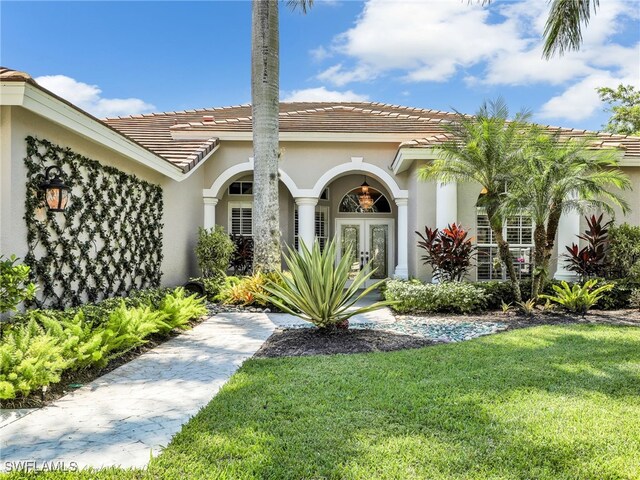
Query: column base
[[401, 272]]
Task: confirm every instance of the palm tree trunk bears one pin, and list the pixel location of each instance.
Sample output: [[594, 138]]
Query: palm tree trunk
[[540, 267], [505, 252], [265, 66]]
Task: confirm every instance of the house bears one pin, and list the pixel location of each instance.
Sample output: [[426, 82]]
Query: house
[[202, 160]]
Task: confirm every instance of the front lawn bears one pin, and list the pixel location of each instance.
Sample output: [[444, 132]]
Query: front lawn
[[551, 402]]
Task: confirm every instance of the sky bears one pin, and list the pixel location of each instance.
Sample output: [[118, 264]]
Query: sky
[[119, 58]]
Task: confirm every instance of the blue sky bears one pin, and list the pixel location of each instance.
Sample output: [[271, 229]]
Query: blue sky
[[115, 58]]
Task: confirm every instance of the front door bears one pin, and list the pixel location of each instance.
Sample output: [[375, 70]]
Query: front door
[[370, 240]]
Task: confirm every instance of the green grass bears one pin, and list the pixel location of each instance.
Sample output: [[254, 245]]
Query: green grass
[[558, 402]]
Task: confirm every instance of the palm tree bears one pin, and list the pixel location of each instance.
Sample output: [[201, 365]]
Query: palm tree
[[265, 100], [556, 176], [485, 148], [563, 29]]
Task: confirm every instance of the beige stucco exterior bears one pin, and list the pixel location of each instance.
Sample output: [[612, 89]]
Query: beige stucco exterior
[[183, 208], [307, 167]]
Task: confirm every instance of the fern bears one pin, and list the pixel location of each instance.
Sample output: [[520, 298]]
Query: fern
[[180, 309]]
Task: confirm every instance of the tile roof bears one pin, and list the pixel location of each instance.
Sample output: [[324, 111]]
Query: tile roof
[[630, 145], [154, 130]]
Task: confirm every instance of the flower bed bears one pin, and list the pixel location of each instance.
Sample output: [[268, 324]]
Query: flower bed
[[39, 347]]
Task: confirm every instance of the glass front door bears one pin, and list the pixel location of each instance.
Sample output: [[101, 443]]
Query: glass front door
[[369, 242]]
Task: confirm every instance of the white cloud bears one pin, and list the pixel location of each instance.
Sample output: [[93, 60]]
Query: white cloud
[[319, 54], [321, 94], [88, 97], [435, 41]]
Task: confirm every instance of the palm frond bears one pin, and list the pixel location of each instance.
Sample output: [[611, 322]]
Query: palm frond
[[563, 30]]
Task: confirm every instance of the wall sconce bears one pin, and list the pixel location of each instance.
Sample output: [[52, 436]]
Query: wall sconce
[[56, 192]]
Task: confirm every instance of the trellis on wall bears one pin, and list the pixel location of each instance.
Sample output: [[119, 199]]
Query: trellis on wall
[[106, 243]]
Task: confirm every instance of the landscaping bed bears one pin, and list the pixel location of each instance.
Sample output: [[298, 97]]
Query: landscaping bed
[[312, 341]]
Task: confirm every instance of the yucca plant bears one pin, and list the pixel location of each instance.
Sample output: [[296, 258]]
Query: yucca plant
[[316, 289], [579, 298]]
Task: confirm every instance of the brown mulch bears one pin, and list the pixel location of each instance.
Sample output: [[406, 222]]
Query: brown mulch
[[312, 341], [79, 378]]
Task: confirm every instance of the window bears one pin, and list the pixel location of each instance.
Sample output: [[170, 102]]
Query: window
[[241, 188], [518, 231], [321, 227], [240, 218], [351, 202]]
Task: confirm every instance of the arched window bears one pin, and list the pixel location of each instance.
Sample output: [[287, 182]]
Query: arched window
[[353, 202]]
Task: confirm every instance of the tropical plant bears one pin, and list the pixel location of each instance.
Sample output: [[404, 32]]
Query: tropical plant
[[316, 289], [623, 253], [527, 306], [563, 29], [577, 298], [624, 104], [486, 149], [505, 306], [14, 284], [448, 252], [248, 290], [242, 259], [213, 251], [265, 85], [590, 260], [555, 176]]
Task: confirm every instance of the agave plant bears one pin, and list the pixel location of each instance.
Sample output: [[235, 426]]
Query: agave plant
[[316, 289]]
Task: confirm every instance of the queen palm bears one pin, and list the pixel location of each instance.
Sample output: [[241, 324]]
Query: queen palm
[[485, 149], [265, 100], [557, 176]]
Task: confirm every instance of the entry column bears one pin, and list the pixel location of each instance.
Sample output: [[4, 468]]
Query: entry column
[[210, 212], [306, 221], [402, 269], [446, 204], [568, 231]]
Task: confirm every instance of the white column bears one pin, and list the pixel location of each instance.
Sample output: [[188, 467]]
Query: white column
[[402, 269], [446, 204], [568, 229], [306, 221], [210, 212]]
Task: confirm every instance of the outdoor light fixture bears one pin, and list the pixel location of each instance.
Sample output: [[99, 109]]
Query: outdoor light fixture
[[56, 192], [364, 199]]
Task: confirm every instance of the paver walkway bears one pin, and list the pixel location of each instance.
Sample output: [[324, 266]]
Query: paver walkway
[[132, 412]]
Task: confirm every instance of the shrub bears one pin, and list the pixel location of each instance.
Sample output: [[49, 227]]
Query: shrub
[[316, 289], [14, 284], [415, 296], [248, 290], [624, 252], [590, 260], [579, 298], [30, 358], [179, 310], [213, 250], [448, 252]]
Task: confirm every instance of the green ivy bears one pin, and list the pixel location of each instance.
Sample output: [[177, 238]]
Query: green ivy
[[106, 243]]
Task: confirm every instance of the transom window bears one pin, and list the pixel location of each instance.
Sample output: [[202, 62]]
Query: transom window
[[241, 188], [351, 202], [518, 231], [240, 218]]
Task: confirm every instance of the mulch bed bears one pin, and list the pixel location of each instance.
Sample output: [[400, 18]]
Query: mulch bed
[[312, 341], [78, 378]]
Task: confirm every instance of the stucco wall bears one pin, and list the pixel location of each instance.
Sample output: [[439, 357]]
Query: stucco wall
[[183, 206]]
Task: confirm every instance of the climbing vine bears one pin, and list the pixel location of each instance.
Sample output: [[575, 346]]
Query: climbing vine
[[106, 243]]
